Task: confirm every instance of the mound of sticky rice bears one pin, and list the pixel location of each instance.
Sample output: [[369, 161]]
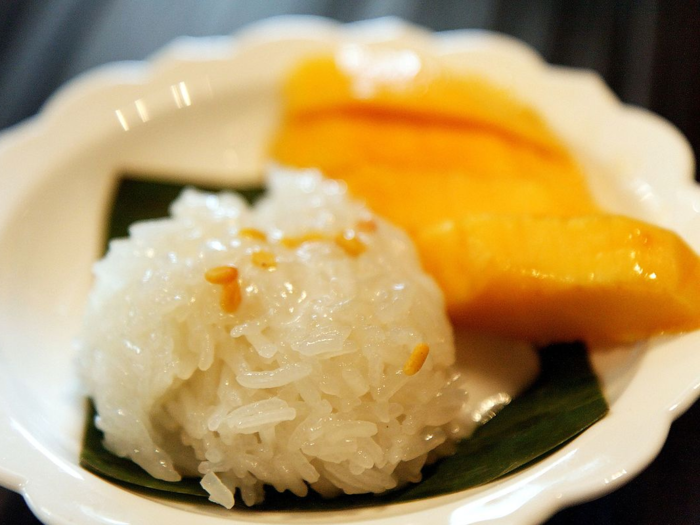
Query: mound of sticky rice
[[306, 368]]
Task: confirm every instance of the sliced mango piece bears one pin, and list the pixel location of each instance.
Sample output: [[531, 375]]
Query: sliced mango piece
[[401, 82], [599, 278], [425, 147], [499, 208]]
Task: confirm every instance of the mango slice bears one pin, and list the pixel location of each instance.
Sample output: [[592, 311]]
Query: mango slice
[[404, 83], [600, 278], [422, 144], [498, 206]]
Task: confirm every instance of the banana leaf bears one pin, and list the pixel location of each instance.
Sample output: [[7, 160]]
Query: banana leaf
[[564, 401]]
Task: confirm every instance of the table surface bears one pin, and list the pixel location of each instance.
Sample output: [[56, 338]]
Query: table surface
[[647, 51]]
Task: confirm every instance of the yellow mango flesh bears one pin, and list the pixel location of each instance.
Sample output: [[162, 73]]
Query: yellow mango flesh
[[499, 208], [599, 278], [431, 92], [428, 149], [416, 175]]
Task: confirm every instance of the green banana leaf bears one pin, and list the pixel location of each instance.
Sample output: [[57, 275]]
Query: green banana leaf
[[564, 401]]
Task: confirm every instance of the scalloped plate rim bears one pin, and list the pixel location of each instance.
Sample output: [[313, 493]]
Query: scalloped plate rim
[[95, 85]]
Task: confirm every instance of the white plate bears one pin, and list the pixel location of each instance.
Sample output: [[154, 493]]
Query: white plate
[[205, 108]]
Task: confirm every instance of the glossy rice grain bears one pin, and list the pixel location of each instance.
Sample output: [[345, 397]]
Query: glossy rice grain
[[303, 383]]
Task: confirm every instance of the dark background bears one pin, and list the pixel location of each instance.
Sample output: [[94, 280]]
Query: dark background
[[647, 51]]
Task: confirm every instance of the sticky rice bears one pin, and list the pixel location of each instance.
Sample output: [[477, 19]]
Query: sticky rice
[[296, 343]]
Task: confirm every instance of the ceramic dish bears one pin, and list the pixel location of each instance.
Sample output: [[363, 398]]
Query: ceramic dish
[[205, 108]]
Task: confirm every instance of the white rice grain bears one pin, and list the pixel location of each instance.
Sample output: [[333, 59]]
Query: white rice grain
[[302, 386]]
